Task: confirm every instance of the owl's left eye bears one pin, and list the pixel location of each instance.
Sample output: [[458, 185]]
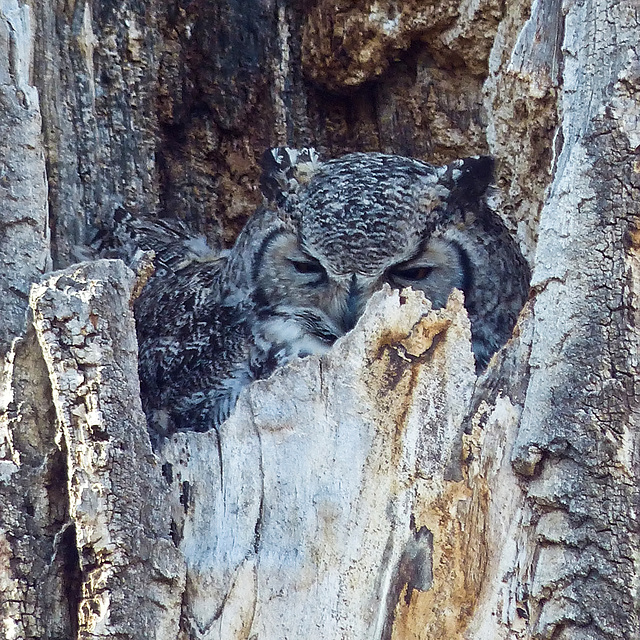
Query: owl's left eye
[[412, 273]]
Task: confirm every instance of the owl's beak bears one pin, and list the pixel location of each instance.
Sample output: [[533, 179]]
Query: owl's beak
[[353, 305]]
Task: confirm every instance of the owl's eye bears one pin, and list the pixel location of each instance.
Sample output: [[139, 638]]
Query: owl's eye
[[302, 266], [412, 273], [309, 268]]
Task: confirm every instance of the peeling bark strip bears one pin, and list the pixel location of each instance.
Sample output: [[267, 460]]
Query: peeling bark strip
[[131, 574], [24, 232], [96, 74], [577, 444]]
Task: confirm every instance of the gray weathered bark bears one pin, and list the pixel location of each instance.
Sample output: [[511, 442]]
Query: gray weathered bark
[[381, 491]]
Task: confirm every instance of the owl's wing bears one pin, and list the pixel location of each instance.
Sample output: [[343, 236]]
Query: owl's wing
[[196, 347], [172, 242], [196, 351], [498, 275], [499, 281]]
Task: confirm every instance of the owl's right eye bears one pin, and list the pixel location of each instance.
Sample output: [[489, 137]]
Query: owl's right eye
[[306, 267], [311, 268]]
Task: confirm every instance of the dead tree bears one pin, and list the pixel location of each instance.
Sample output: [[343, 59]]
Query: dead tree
[[381, 491]]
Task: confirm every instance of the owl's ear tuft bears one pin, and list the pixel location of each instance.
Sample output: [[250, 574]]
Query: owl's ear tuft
[[468, 179], [285, 169]]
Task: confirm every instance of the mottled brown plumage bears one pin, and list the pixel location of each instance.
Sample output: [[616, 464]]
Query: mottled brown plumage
[[304, 267]]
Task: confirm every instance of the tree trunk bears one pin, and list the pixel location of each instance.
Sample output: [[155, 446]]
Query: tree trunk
[[381, 491]]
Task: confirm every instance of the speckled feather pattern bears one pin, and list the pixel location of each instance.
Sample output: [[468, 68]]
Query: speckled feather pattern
[[366, 210], [303, 268]]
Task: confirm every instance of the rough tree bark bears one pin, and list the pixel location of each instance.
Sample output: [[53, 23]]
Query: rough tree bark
[[381, 491]]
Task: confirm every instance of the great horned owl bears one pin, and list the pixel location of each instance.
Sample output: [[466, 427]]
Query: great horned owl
[[303, 268]]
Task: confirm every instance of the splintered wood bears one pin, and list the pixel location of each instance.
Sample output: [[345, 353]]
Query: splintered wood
[[333, 503]]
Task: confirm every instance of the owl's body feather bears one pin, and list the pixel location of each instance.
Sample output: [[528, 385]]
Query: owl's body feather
[[304, 267]]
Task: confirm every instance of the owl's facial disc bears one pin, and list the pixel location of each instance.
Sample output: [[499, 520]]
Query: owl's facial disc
[[312, 303], [298, 292]]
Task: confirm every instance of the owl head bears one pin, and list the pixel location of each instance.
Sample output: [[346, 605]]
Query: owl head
[[339, 230]]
